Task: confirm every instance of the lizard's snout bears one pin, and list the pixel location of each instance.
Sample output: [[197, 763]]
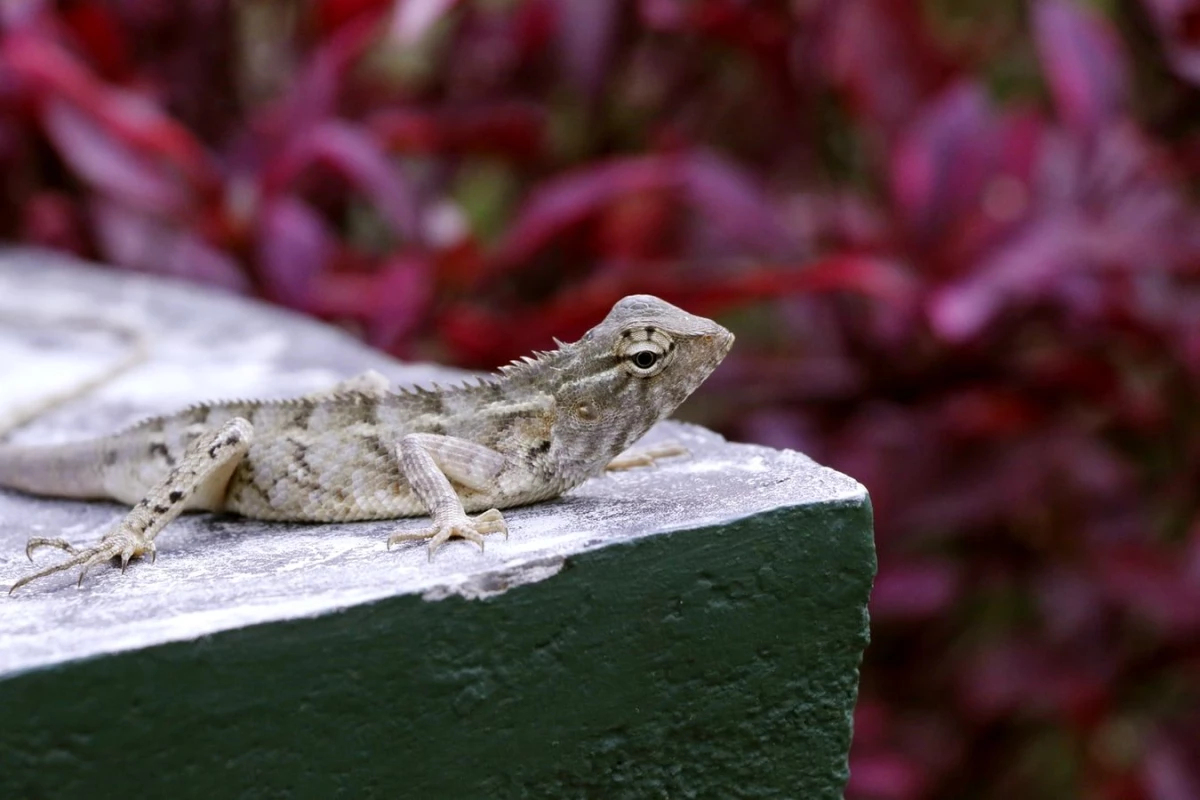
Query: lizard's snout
[[721, 340]]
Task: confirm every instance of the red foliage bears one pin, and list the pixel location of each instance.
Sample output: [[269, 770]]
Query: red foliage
[[969, 235]]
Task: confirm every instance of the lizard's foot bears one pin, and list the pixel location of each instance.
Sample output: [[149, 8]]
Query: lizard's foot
[[121, 543], [646, 457], [463, 527]]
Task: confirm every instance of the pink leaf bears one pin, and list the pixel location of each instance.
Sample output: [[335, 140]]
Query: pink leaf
[[314, 94], [733, 206], [726, 200], [940, 162], [879, 55], [294, 246], [188, 256], [514, 130], [138, 240], [51, 219], [111, 166], [1169, 771], [886, 776], [357, 158], [585, 36], [564, 201], [881, 278], [1177, 22], [1021, 270], [390, 300], [413, 18], [1083, 61], [666, 15], [1153, 585], [1071, 602], [129, 117], [1016, 677], [914, 590]]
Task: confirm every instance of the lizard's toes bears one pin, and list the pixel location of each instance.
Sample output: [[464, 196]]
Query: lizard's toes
[[126, 545], [471, 529], [85, 559], [98, 558], [490, 521], [461, 530], [137, 549], [38, 542], [437, 536]]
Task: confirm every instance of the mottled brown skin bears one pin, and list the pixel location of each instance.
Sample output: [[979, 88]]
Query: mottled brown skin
[[538, 428]]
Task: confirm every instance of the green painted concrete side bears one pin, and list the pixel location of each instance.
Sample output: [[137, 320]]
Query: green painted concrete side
[[720, 662]]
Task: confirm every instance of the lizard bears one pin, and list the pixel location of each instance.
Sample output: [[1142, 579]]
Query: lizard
[[528, 433]]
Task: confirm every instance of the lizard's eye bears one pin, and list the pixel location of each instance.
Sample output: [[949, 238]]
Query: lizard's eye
[[645, 359], [645, 350]]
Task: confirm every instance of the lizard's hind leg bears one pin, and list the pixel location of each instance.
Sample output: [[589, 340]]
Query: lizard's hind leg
[[211, 457]]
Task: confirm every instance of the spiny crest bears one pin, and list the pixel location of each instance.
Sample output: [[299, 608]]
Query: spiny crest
[[435, 389], [528, 365]]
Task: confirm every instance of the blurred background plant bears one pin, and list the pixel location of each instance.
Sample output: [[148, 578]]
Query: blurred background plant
[[959, 242]]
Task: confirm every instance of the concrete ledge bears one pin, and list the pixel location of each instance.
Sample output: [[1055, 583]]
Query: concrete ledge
[[691, 630]]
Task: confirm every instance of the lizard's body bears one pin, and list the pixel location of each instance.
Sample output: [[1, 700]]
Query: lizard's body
[[537, 429], [312, 459]]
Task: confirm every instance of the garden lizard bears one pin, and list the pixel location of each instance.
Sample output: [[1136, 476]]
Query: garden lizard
[[360, 451]]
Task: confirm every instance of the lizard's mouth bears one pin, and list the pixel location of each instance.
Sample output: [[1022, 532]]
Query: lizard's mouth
[[725, 337]]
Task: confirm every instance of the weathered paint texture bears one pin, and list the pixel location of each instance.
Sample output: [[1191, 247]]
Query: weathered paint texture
[[721, 662]]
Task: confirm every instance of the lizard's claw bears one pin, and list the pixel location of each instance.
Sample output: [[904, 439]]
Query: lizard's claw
[[37, 541], [121, 544], [472, 529]]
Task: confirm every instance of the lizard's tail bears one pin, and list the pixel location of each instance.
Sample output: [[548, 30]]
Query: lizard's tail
[[137, 351], [63, 470]]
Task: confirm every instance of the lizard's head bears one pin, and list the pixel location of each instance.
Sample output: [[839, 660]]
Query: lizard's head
[[656, 354], [634, 369]]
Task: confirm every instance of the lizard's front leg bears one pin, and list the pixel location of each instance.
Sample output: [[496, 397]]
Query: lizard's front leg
[[429, 463], [211, 457]]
